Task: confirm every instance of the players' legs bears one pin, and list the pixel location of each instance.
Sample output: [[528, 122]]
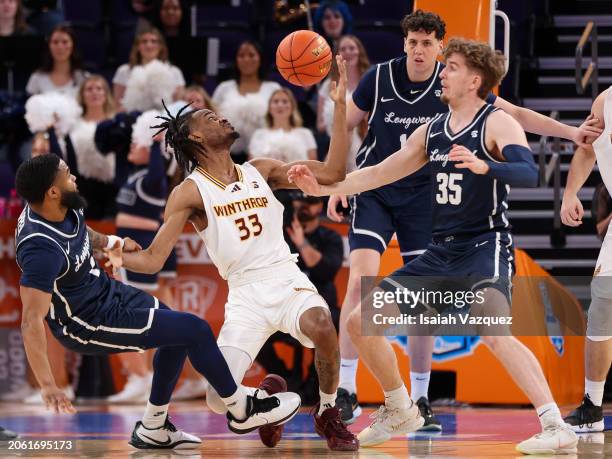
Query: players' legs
[[238, 362]]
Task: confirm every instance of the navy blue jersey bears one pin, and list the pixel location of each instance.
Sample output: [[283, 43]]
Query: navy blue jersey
[[146, 188], [464, 202], [57, 258], [397, 108]]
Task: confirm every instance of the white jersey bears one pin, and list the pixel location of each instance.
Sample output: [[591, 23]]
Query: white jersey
[[245, 222], [603, 144]]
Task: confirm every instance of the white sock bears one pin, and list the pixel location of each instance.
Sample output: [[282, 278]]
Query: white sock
[[154, 416], [548, 414], [237, 403], [327, 401], [398, 398], [348, 375], [419, 385], [594, 390]]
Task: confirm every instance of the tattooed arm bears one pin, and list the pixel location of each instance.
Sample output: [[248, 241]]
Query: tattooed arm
[[101, 241], [98, 241]]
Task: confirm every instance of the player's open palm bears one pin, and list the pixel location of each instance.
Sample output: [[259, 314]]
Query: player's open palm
[[115, 257], [465, 159], [587, 132], [337, 92], [56, 400], [302, 177], [572, 211]]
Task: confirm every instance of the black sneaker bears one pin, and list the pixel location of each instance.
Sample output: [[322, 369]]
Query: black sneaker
[[348, 406], [586, 418], [164, 437], [431, 421], [6, 435]]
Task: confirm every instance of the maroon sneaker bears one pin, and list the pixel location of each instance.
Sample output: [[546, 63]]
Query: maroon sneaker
[[271, 435], [330, 426]]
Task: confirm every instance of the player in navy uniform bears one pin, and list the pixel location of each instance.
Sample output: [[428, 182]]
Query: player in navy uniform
[[475, 153], [399, 96], [90, 313]]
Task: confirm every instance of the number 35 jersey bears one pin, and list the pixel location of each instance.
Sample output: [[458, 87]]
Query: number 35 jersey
[[245, 222], [464, 202]]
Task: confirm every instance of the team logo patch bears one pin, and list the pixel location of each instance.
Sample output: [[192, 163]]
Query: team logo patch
[[474, 134], [438, 92], [235, 188]]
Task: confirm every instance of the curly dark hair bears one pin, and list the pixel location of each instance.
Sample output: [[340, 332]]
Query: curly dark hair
[[35, 176], [479, 57], [177, 136], [424, 20]]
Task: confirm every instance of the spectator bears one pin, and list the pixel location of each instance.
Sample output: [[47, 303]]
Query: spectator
[[96, 171], [601, 210], [199, 99], [60, 70], [243, 100], [12, 20], [321, 252], [332, 19], [172, 18], [357, 63], [283, 138], [148, 45]]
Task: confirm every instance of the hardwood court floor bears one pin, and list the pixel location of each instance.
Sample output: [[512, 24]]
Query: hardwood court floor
[[101, 431]]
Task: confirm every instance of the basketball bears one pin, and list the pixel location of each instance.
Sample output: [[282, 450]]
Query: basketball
[[303, 58]]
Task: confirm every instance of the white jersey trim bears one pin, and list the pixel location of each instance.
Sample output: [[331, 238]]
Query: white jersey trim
[[434, 77], [51, 239], [55, 230]]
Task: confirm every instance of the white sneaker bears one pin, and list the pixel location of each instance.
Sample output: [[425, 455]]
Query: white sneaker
[[554, 439], [269, 411], [19, 394], [136, 390], [191, 389], [36, 397], [389, 423], [164, 437]]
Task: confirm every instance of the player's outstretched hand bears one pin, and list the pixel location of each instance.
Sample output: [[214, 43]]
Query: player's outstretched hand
[[337, 91], [130, 245], [115, 258], [467, 160], [55, 399], [304, 179], [571, 211], [332, 206], [587, 132]]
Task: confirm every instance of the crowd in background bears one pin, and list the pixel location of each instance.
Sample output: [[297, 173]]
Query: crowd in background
[[99, 124]]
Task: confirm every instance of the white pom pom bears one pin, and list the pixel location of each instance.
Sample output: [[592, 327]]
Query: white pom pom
[[90, 162], [142, 134], [280, 145], [148, 85], [52, 109], [246, 113]]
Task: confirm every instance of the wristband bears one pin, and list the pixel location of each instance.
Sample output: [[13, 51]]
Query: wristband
[[111, 241]]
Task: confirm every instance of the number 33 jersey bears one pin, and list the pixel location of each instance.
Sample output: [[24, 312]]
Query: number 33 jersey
[[245, 222], [464, 202]]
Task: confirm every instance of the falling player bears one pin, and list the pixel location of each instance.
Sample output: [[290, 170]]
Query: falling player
[[235, 212], [476, 152], [397, 97], [588, 417], [90, 313]]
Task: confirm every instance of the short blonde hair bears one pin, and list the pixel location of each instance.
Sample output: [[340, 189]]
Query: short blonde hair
[[109, 101], [295, 120], [479, 57], [136, 58]]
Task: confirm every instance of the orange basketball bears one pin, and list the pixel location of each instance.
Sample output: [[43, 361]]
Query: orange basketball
[[303, 58]]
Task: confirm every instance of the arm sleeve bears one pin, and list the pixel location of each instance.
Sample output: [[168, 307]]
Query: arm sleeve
[[154, 182], [519, 169], [332, 252], [41, 262], [364, 94]]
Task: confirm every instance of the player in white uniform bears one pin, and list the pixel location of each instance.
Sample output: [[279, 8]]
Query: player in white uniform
[[235, 212], [588, 417]]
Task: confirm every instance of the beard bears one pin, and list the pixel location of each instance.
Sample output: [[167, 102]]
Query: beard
[[445, 99], [73, 200]]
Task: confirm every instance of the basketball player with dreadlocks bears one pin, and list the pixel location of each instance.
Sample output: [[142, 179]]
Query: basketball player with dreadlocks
[[234, 211]]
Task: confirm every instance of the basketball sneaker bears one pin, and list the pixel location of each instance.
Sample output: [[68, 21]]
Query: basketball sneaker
[[271, 435], [271, 411], [348, 406], [431, 421], [389, 423], [554, 439], [6, 435], [329, 425], [586, 418], [164, 437]]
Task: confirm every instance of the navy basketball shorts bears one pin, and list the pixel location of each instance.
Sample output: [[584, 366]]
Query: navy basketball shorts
[[375, 218], [146, 281], [467, 263], [122, 325]]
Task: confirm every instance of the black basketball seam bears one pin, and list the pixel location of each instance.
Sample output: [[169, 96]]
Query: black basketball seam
[[302, 65], [305, 48], [281, 54]]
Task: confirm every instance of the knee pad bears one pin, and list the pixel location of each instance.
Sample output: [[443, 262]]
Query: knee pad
[[214, 402], [599, 316]]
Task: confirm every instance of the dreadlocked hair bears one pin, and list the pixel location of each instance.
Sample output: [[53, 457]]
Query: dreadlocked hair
[[177, 137]]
